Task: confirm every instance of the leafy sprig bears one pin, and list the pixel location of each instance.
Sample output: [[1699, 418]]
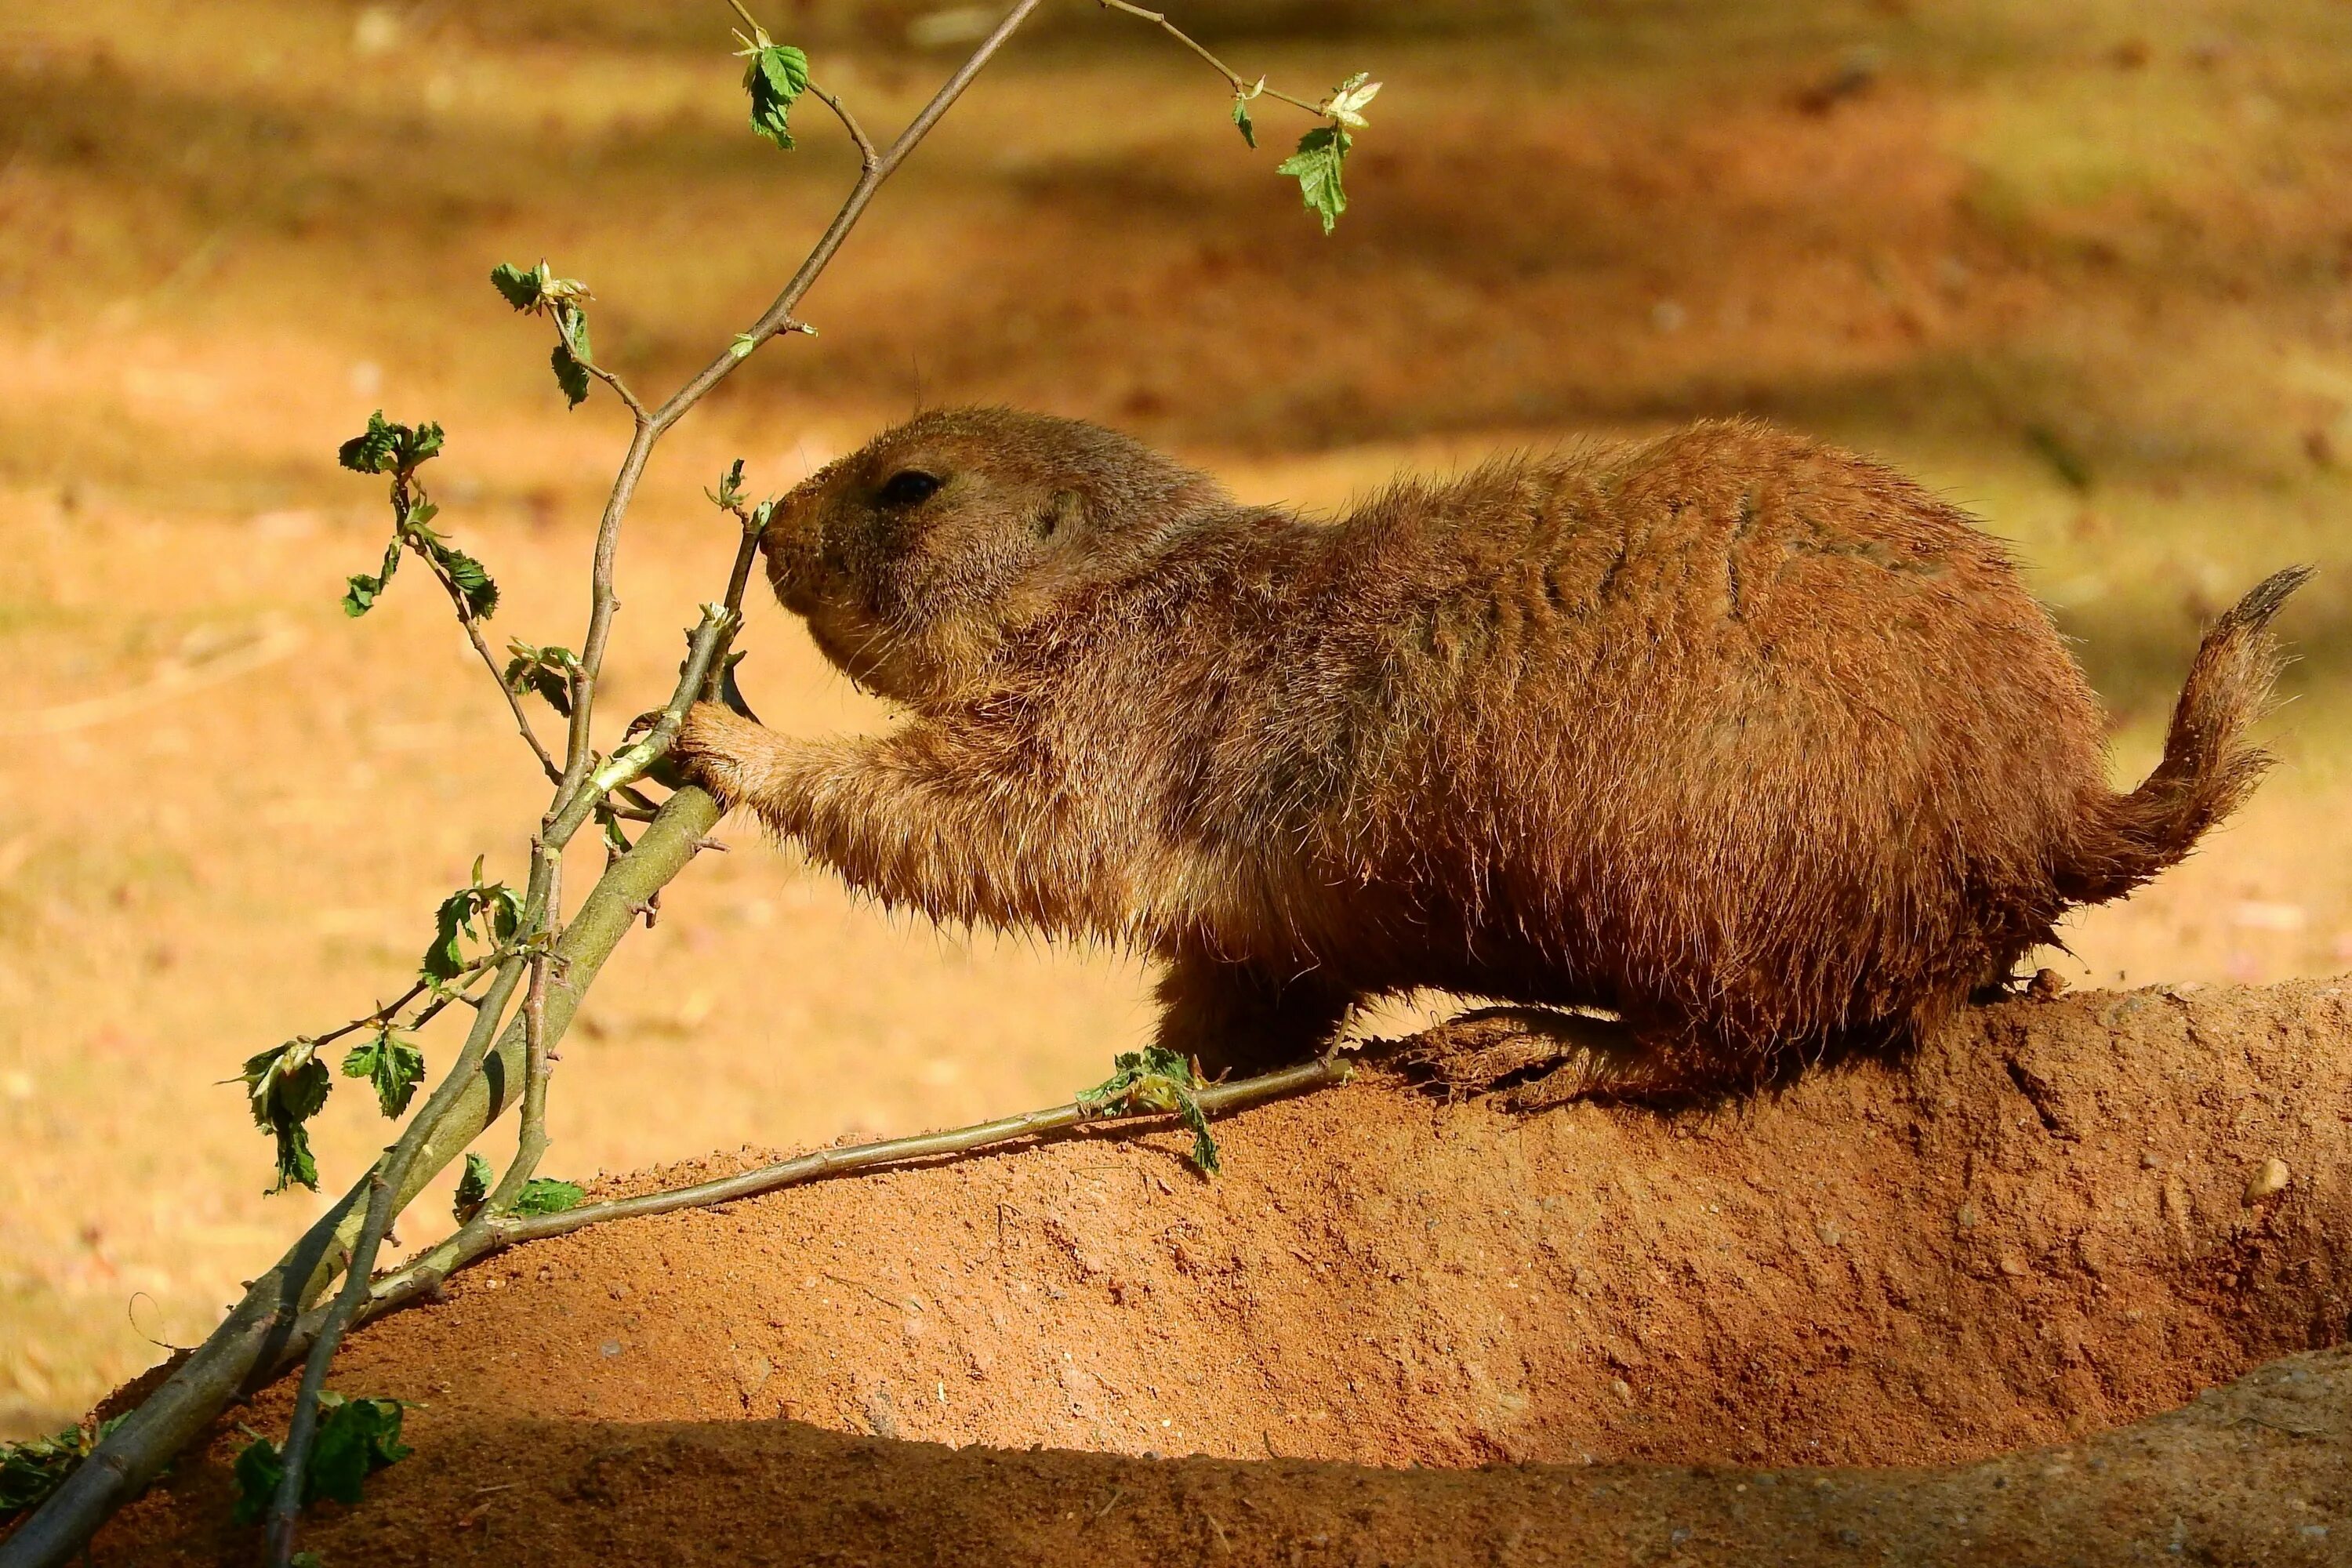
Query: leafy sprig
[[775, 76], [32, 1469], [537, 292], [399, 450], [285, 1086], [1156, 1079], [387, 449], [1321, 156], [1320, 159], [729, 496], [732, 496], [392, 1063], [549, 671]]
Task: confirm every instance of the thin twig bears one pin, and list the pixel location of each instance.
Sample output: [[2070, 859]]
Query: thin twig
[[620, 387], [772, 320], [531, 1142], [424, 1275], [867, 157], [467, 619], [380, 1016], [1242, 87]]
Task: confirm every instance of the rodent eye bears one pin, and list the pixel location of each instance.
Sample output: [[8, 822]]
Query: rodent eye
[[908, 487]]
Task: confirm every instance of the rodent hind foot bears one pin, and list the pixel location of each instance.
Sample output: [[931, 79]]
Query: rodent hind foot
[[1530, 1059]]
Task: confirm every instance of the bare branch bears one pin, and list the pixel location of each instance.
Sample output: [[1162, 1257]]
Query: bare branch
[[1242, 87], [868, 156], [620, 387]]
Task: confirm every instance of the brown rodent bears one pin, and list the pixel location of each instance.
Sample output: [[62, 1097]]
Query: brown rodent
[[1751, 741]]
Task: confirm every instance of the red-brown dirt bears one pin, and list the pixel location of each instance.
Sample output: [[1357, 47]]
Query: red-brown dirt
[[2046, 1223]]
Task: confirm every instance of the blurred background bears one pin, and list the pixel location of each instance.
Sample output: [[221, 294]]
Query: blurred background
[[2084, 266]]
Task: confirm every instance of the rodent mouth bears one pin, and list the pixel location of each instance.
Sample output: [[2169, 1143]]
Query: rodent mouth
[[791, 574]]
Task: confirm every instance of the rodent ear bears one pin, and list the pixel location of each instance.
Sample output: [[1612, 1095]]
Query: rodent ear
[[1066, 511]]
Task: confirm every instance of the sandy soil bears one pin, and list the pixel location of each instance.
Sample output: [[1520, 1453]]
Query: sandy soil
[[2041, 1228]]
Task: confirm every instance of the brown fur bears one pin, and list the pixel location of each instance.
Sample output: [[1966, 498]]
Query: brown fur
[[1753, 742]]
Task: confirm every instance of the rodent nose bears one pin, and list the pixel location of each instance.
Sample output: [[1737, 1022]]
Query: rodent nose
[[794, 545]]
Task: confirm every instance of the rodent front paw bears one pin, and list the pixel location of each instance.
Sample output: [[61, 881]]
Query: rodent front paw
[[718, 749]]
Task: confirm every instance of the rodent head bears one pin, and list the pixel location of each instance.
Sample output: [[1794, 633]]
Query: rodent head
[[914, 558]]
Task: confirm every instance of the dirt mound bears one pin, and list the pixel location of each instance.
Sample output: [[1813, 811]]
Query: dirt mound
[[2062, 1216]]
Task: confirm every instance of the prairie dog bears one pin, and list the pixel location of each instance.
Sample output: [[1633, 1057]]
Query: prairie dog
[[1752, 741]]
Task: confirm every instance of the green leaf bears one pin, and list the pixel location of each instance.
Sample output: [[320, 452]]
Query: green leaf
[[371, 451], [1204, 1147], [743, 344], [384, 447], [473, 1189], [472, 578], [295, 1167], [1348, 99], [355, 1438], [545, 1195], [392, 1063], [32, 1469], [534, 291], [360, 594], [1242, 119], [259, 1469], [778, 74], [519, 285], [285, 1086], [496, 906], [571, 375], [572, 322], [547, 671], [1317, 165], [573, 355]]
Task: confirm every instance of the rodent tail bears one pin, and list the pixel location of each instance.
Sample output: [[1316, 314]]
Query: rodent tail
[[2209, 767]]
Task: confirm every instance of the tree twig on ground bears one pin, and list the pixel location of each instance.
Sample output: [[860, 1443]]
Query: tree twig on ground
[[487, 1234]]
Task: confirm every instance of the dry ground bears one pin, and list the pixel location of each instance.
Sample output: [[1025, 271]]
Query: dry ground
[[1594, 1323], [2084, 266]]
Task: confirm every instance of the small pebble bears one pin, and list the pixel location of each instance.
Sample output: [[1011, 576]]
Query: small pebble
[[2267, 1179], [1622, 1389]]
